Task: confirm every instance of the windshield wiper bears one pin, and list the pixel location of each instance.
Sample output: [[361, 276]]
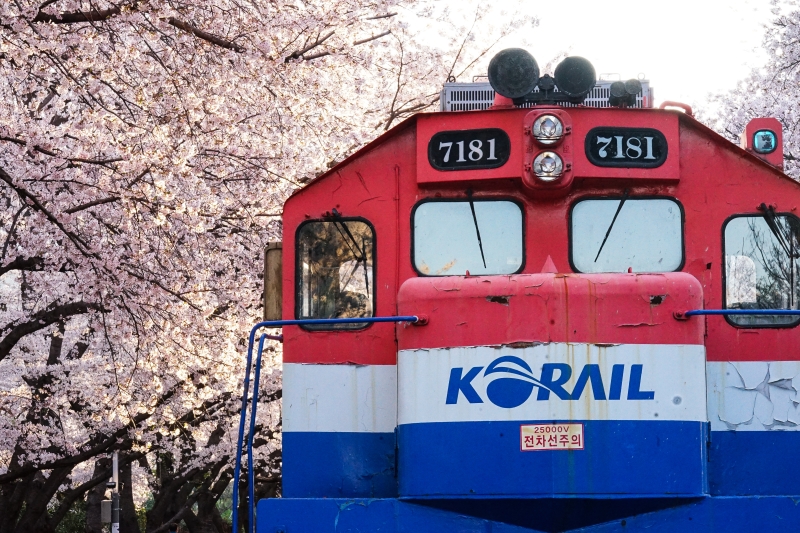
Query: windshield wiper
[[783, 240], [477, 230], [786, 242], [361, 255], [608, 231]]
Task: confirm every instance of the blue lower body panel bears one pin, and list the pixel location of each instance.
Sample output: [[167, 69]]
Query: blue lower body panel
[[754, 462], [339, 465], [706, 515], [620, 459]]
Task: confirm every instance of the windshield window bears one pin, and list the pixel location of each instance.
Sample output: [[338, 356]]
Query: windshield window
[[335, 271], [761, 268], [615, 234], [482, 237]]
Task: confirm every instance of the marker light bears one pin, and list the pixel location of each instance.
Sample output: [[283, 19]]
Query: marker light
[[548, 166], [765, 141], [622, 94], [547, 129]]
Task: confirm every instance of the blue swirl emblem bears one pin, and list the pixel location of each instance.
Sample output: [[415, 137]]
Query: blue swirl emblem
[[510, 391]]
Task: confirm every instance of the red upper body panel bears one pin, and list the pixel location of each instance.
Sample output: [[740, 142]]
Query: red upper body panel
[[710, 177]]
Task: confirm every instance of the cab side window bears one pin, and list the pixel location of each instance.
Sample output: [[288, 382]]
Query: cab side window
[[761, 267], [335, 271]]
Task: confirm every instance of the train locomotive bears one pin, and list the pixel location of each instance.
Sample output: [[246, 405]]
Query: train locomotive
[[541, 316]]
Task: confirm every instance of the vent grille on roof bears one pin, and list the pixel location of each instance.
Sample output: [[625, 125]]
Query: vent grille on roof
[[478, 96]]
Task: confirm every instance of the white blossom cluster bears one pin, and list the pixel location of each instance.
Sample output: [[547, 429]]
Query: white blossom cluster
[[146, 148], [770, 91]]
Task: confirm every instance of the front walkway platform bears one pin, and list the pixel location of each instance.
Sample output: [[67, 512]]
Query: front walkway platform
[[656, 515]]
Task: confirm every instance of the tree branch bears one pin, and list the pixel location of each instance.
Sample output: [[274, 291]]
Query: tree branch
[[384, 16], [94, 161], [368, 39], [45, 151], [26, 196], [138, 178], [93, 203], [95, 15], [10, 232], [30, 264], [20, 142], [40, 320], [298, 54], [72, 495], [197, 32], [316, 56], [164, 288], [100, 444]]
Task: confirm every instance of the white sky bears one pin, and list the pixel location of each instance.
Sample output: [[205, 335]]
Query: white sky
[[686, 48]]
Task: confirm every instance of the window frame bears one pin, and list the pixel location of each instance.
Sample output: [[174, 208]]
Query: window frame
[[327, 328], [724, 287], [465, 200], [619, 197]]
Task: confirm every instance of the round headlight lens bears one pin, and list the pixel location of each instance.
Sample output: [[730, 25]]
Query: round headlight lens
[[547, 129], [548, 166]]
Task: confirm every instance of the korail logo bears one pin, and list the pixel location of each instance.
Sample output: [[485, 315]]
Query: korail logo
[[510, 382]]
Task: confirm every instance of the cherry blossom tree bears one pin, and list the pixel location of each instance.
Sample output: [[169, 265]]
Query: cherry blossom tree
[[770, 91], [145, 151]]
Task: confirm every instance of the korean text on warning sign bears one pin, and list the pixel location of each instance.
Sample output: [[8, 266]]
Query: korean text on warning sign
[[538, 437]]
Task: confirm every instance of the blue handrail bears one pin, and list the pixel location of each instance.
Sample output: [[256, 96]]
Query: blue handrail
[[768, 312], [237, 469]]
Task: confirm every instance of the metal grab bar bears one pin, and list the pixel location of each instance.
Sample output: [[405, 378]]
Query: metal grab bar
[[768, 312], [420, 320]]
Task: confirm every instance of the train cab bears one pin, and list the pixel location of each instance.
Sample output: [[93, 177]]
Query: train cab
[[604, 334]]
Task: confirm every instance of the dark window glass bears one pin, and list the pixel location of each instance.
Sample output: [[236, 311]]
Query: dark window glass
[[761, 268], [335, 271]]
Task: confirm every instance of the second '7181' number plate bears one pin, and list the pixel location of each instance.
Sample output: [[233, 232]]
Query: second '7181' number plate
[[469, 149], [626, 147]]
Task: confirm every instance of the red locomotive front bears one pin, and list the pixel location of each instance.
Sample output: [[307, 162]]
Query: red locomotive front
[[554, 379]]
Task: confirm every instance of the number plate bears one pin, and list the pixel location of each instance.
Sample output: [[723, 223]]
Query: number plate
[[626, 147], [469, 149]]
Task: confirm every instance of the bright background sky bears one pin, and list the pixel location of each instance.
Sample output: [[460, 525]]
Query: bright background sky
[[686, 48]]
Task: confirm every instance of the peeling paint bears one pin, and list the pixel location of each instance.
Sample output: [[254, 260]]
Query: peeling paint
[[754, 396], [524, 344], [503, 300]]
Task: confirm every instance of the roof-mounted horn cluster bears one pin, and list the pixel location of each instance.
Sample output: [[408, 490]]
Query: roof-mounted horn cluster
[[514, 73]]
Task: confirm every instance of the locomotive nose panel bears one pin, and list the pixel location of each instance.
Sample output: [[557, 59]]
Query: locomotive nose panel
[[552, 385]]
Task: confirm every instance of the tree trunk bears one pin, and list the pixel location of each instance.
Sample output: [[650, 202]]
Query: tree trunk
[[127, 519], [94, 497]]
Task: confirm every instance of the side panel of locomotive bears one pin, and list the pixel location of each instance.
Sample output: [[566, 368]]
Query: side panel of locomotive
[[753, 372], [340, 399], [440, 413]]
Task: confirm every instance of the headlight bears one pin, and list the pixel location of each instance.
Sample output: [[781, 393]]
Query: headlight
[[547, 129], [548, 166]]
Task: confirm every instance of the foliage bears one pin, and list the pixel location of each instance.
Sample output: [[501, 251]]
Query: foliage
[[75, 519], [770, 91]]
